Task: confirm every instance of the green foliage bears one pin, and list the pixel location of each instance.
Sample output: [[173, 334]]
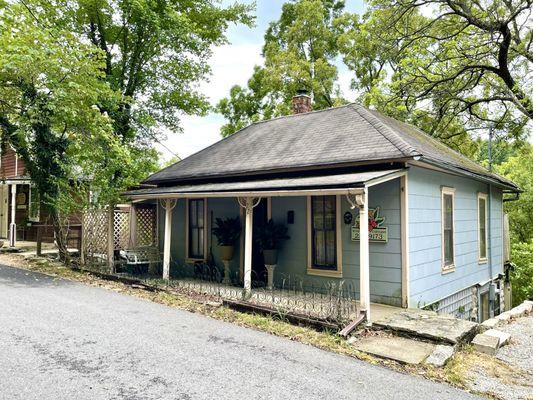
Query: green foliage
[[227, 231], [522, 276], [50, 86], [168, 163], [270, 235], [518, 168], [85, 86], [155, 53], [300, 49], [444, 65]]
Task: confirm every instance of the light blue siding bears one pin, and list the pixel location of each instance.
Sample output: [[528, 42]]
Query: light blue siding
[[427, 283], [218, 208], [385, 258]]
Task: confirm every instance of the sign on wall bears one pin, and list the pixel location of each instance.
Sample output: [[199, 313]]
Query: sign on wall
[[376, 231]]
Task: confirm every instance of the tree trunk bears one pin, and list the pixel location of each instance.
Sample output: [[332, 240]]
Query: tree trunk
[[61, 236]]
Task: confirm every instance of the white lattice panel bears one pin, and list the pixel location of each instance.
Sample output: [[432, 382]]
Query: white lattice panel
[[95, 233], [121, 229], [146, 226]]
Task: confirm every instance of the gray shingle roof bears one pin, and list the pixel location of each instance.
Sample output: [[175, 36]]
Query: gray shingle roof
[[335, 136], [331, 181]]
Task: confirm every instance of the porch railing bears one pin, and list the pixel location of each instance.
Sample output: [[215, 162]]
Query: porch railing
[[329, 299]]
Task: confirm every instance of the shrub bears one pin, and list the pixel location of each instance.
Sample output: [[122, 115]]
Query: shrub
[[522, 276], [227, 231]]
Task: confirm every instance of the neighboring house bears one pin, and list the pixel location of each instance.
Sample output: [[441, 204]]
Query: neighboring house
[[22, 214], [435, 217], [20, 208]]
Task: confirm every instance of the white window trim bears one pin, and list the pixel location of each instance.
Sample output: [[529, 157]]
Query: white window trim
[[38, 217], [482, 260], [311, 270], [193, 259], [445, 269]]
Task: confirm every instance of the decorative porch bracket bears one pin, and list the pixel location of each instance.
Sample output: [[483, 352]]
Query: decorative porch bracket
[[361, 201], [248, 203], [168, 205]]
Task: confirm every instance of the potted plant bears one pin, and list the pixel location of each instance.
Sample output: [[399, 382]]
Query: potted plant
[[270, 237], [227, 232]]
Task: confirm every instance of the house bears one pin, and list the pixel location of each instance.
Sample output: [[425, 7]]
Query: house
[[19, 204], [22, 216], [435, 236]]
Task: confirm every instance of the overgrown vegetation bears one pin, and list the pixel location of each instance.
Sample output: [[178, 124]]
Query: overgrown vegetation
[[522, 276]]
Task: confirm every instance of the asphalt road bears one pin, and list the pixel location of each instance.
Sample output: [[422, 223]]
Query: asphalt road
[[64, 340]]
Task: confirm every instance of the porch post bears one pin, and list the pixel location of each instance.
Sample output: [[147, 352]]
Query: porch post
[[13, 225], [133, 226], [249, 212], [248, 203], [364, 268], [166, 241]]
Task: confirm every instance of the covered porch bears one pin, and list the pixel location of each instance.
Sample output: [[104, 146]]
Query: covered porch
[[186, 215]]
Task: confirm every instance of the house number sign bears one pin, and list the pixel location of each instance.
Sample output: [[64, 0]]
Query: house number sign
[[376, 231]]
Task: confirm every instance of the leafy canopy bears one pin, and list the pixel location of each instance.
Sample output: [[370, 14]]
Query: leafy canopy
[[156, 53], [448, 66], [299, 50], [50, 87]]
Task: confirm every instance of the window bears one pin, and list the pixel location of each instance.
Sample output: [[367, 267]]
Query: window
[[482, 226], [34, 210], [448, 252], [324, 235], [196, 229]]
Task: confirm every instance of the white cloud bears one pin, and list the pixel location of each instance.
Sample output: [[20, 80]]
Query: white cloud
[[231, 65]]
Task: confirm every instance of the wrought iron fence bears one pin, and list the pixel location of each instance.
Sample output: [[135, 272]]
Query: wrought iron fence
[[329, 299]]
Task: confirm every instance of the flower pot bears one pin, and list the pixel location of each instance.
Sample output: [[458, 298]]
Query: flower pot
[[271, 256], [226, 252]]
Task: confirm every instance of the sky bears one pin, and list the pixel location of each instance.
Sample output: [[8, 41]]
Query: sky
[[233, 64]]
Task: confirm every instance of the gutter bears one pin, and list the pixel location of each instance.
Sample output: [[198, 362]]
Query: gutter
[[465, 172], [515, 198]]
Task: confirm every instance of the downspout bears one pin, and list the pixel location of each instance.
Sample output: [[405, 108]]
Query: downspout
[[492, 290]]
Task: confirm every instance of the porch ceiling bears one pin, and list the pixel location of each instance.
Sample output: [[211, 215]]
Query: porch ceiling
[[324, 184]]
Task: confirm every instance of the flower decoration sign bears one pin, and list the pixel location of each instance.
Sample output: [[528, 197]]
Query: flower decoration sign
[[376, 231]]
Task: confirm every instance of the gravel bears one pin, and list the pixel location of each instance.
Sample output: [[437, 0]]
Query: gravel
[[512, 380], [519, 352]]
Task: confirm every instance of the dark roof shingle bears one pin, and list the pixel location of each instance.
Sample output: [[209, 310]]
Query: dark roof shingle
[[346, 134]]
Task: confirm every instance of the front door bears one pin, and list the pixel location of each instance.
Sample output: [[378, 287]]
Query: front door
[[4, 210], [258, 263]]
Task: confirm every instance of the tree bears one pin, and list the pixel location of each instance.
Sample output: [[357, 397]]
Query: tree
[[50, 85], [518, 169], [449, 66], [155, 53], [299, 51]]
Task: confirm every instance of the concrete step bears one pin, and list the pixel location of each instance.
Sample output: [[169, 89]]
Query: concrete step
[[404, 350], [429, 325]]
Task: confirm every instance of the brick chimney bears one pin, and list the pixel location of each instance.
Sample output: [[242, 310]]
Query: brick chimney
[[301, 103]]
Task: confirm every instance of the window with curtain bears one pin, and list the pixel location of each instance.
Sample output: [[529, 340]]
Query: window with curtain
[[447, 228], [323, 214], [482, 226], [196, 228]]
